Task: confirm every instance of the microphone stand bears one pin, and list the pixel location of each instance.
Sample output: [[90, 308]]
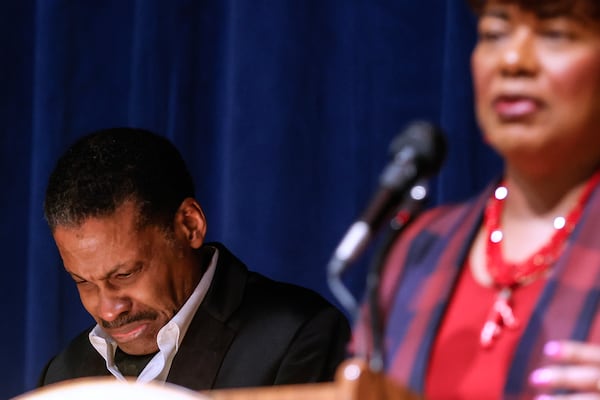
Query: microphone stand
[[417, 153], [412, 207]]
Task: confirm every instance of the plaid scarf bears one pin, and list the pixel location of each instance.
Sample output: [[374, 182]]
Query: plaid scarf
[[422, 268]]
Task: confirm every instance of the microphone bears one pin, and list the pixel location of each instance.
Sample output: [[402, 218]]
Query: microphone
[[417, 153]]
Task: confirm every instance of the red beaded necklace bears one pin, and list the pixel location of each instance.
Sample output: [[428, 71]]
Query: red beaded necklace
[[507, 276]]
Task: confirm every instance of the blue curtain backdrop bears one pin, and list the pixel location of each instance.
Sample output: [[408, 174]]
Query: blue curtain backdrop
[[284, 110]]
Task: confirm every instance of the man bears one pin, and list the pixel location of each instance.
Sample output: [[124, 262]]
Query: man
[[169, 307]]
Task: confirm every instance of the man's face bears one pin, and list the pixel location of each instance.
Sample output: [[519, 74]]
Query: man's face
[[131, 279]]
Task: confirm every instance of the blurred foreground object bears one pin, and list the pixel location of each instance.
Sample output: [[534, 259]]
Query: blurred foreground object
[[108, 388], [353, 381]]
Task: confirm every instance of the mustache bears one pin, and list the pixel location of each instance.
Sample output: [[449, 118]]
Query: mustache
[[125, 319]]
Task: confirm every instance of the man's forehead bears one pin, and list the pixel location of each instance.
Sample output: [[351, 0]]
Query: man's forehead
[[125, 215], [97, 253]]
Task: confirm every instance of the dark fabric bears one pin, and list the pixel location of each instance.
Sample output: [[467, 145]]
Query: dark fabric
[[248, 331], [131, 365], [424, 265], [283, 109]]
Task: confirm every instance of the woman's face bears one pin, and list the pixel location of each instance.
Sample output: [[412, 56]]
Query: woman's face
[[537, 86]]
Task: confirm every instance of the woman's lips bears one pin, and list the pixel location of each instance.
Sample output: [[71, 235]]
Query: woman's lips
[[512, 108]]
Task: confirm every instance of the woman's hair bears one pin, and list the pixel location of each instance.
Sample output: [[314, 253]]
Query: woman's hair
[[591, 8]]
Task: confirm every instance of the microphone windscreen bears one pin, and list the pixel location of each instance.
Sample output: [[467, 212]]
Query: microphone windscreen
[[428, 143]]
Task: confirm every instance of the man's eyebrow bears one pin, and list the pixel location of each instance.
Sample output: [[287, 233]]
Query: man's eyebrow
[[75, 276], [114, 270]]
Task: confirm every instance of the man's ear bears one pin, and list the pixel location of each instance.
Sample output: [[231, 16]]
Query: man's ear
[[190, 220]]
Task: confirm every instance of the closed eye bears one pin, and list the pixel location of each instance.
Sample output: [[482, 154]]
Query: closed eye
[[128, 274], [77, 279], [492, 28], [83, 285], [557, 34], [490, 36]]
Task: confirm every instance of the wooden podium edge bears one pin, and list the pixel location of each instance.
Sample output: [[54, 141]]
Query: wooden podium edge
[[353, 381]]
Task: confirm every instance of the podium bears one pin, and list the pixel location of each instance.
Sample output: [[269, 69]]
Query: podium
[[353, 381]]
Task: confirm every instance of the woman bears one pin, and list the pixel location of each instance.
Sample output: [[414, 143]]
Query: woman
[[498, 298]]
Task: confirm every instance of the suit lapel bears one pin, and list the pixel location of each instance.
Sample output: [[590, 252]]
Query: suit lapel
[[198, 360]]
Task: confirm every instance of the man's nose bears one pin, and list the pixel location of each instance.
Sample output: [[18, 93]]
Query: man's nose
[[112, 304]]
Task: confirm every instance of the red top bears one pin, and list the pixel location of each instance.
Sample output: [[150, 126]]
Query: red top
[[460, 368]]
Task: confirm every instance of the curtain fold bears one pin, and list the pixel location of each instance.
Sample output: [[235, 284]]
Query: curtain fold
[[284, 111]]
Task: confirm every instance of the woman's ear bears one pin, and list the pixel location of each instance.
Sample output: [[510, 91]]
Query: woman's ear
[[190, 220]]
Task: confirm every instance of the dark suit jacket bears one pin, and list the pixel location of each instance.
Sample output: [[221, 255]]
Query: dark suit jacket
[[248, 331]]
